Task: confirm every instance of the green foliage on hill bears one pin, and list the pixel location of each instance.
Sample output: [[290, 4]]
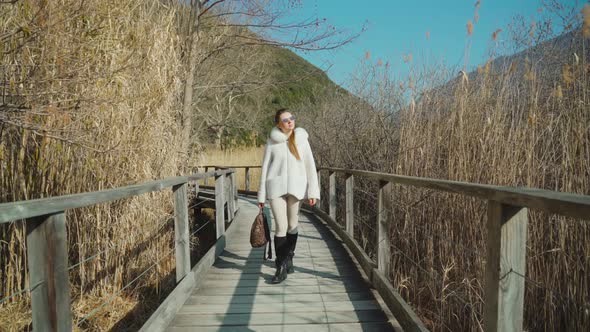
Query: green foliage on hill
[[296, 80], [292, 82]]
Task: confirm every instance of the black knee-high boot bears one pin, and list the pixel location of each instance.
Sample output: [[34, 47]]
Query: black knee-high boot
[[281, 251], [292, 243]]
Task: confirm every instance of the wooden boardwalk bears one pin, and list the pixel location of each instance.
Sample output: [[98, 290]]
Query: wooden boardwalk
[[326, 293]]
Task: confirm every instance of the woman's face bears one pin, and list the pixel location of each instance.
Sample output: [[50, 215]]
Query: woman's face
[[287, 121]]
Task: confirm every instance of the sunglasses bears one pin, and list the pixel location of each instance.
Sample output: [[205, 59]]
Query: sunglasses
[[291, 118]]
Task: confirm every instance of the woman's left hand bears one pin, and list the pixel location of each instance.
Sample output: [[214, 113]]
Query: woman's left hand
[[312, 201]]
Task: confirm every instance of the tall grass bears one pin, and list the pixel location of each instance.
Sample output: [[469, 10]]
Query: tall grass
[[520, 123], [509, 127], [244, 156], [90, 92]]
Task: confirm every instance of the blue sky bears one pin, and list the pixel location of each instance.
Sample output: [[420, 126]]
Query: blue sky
[[395, 28]]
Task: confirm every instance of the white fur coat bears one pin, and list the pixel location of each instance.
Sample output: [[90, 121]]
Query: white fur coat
[[282, 173]]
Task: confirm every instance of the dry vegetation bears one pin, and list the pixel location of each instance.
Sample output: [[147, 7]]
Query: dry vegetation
[[245, 156], [99, 94], [524, 122], [92, 96], [89, 90]]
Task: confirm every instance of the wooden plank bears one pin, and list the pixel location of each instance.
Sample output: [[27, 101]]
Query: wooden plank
[[384, 288], [319, 271], [366, 263], [300, 273], [280, 298], [247, 179], [343, 264], [45, 206], [233, 283], [166, 312], [384, 209], [241, 192], [340, 259], [200, 176], [235, 191], [400, 309], [47, 255], [332, 196], [335, 327], [318, 205], [566, 204], [310, 248], [278, 318], [181, 230], [229, 197], [350, 204], [256, 308], [315, 254], [245, 319], [506, 252], [219, 206], [236, 291]]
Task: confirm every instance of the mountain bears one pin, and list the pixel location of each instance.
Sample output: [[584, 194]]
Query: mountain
[[290, 82], [296, 80], [546, 60]]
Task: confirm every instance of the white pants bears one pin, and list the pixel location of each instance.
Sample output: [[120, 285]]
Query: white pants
[[285, 211]]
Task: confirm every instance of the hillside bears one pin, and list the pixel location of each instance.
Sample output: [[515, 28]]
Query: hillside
[[284, 80], [546, 63], [296, 80]]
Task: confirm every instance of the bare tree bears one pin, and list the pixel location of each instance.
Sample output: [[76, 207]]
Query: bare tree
[[239, 28]]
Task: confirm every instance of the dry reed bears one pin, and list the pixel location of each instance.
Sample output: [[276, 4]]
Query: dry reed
[[91, 93], [522, 123]]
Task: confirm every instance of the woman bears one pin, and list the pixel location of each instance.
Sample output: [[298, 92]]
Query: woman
[[288, 176]]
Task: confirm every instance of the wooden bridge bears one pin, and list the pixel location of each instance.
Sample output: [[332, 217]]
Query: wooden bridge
[[335, 287]]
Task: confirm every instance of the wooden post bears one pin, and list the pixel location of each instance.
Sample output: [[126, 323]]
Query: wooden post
[[206, 180], [47, 253], [197, 208], [350, 204], [235, 191], [332, 198], [319, 186], [247, 179], [219, 206], [506, 252], [181, 230], [229, 199], [384, 209]]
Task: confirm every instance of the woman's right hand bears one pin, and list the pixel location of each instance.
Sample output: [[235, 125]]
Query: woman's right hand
[[261, 205]]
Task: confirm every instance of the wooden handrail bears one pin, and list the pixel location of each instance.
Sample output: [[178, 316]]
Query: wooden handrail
[[507, 224], [566, 204], [44, 206], [47, 254]]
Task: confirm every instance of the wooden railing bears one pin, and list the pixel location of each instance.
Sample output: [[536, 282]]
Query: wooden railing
[[47, 252], [247, 184], [506, 246], [506, 228]]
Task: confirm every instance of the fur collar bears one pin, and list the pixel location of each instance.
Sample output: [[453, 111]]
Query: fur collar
[[277, 136]]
